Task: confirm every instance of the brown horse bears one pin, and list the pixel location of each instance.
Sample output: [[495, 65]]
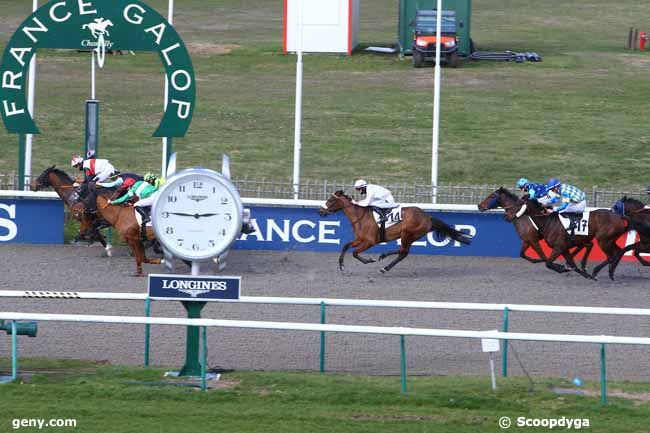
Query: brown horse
[[639, 218], [64, 187], [604, 226], [122, 218], [415, 224], [526, 229]]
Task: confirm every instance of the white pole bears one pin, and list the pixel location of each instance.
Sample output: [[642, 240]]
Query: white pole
[[29, 138], [163, 170], [436, 109], [92, 75], [298, 109]]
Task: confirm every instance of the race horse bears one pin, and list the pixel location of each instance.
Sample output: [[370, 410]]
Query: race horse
[[415, 223], [604, 226], [525, 227], [123, 219], [638, 215], [64, 187]]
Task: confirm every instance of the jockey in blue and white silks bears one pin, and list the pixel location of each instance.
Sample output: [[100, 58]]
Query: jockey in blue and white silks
[[571, 199], [532, 190]]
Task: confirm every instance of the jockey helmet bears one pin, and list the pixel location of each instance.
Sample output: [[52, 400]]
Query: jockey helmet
[[76, 160], [552, 183], [149, 176], [360, 184], [522, 182]]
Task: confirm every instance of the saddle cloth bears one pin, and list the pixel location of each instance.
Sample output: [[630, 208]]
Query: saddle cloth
[[138, 218], [393, 217], [583, 225]]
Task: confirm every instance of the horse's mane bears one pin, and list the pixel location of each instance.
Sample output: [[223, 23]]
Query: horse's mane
[[341, 193], [510, 195], [62, 175]]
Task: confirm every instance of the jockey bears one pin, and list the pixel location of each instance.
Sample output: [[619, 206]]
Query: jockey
[[377, 198], [145, 190], [532, 190], [122, 182], [95, 170], [572, 200]]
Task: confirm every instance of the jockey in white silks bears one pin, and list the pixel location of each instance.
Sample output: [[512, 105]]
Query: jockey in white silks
[[376, 197]]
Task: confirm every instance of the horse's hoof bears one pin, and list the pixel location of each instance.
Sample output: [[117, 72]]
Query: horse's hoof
[[341, 268], [380, 258], [137, 275], [370, 261], [383, 270]]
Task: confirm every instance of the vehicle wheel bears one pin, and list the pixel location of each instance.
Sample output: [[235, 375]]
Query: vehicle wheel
[[453, 60], [418, 59]]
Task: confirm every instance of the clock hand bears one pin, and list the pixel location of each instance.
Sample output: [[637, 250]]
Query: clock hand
[[205, 215], [183, 214], [195, 215]]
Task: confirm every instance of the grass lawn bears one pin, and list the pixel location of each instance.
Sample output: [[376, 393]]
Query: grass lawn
[[103, 398], [579, 114]]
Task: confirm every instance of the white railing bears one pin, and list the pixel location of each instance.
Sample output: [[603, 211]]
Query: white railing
[[346, 302], [324, 302], [402, 332]]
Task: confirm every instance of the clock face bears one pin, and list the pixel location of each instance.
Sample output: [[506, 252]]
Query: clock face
[[197, 214]]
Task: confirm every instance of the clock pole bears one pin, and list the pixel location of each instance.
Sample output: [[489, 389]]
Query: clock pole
[[192, 365]]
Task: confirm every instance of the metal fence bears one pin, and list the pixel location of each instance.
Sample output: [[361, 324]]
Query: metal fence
[[415, 192]]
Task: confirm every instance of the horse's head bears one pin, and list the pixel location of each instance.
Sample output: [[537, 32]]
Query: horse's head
[[335, 203], [626, 205], [499, 198], [43, 181]]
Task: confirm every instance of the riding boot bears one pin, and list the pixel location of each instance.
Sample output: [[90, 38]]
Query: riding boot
[[382, 230], [572, 229]]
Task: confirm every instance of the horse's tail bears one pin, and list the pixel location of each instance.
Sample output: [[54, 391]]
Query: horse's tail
[[643, 228], [444, 229]]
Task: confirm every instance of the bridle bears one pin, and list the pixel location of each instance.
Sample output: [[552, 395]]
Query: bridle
[[348, 204]]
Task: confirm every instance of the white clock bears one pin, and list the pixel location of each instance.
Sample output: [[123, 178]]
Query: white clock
[[197, 214]]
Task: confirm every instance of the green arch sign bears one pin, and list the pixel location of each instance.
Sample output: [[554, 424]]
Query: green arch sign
[[82, 24]]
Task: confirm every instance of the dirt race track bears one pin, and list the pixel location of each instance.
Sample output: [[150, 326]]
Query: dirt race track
[[449, 279]]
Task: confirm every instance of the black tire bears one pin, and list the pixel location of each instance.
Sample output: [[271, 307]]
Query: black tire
[[453, 60], [418, 59]]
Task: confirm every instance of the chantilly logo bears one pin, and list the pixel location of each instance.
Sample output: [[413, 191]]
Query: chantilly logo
[[194, 288], [98, 27]]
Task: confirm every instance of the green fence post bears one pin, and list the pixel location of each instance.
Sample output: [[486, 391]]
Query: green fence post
[[402, 346], [204, 356], [22, 145], [603, 376], [504, 367], [147, 331], [14, 351], [322, 338]]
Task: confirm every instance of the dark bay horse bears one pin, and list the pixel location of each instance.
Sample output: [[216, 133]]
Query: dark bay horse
[[63, 185], [526, 229], [604, 226], [415, 224], [639, 218], [122, 218]]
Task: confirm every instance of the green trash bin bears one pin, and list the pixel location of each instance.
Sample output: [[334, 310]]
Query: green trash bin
[[407, 9]]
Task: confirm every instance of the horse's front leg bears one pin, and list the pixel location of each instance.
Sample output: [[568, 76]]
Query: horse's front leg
[[346, 247], [361, 248], [535, 246]]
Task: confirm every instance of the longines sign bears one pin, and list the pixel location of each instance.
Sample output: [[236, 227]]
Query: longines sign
[[85, 24]]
